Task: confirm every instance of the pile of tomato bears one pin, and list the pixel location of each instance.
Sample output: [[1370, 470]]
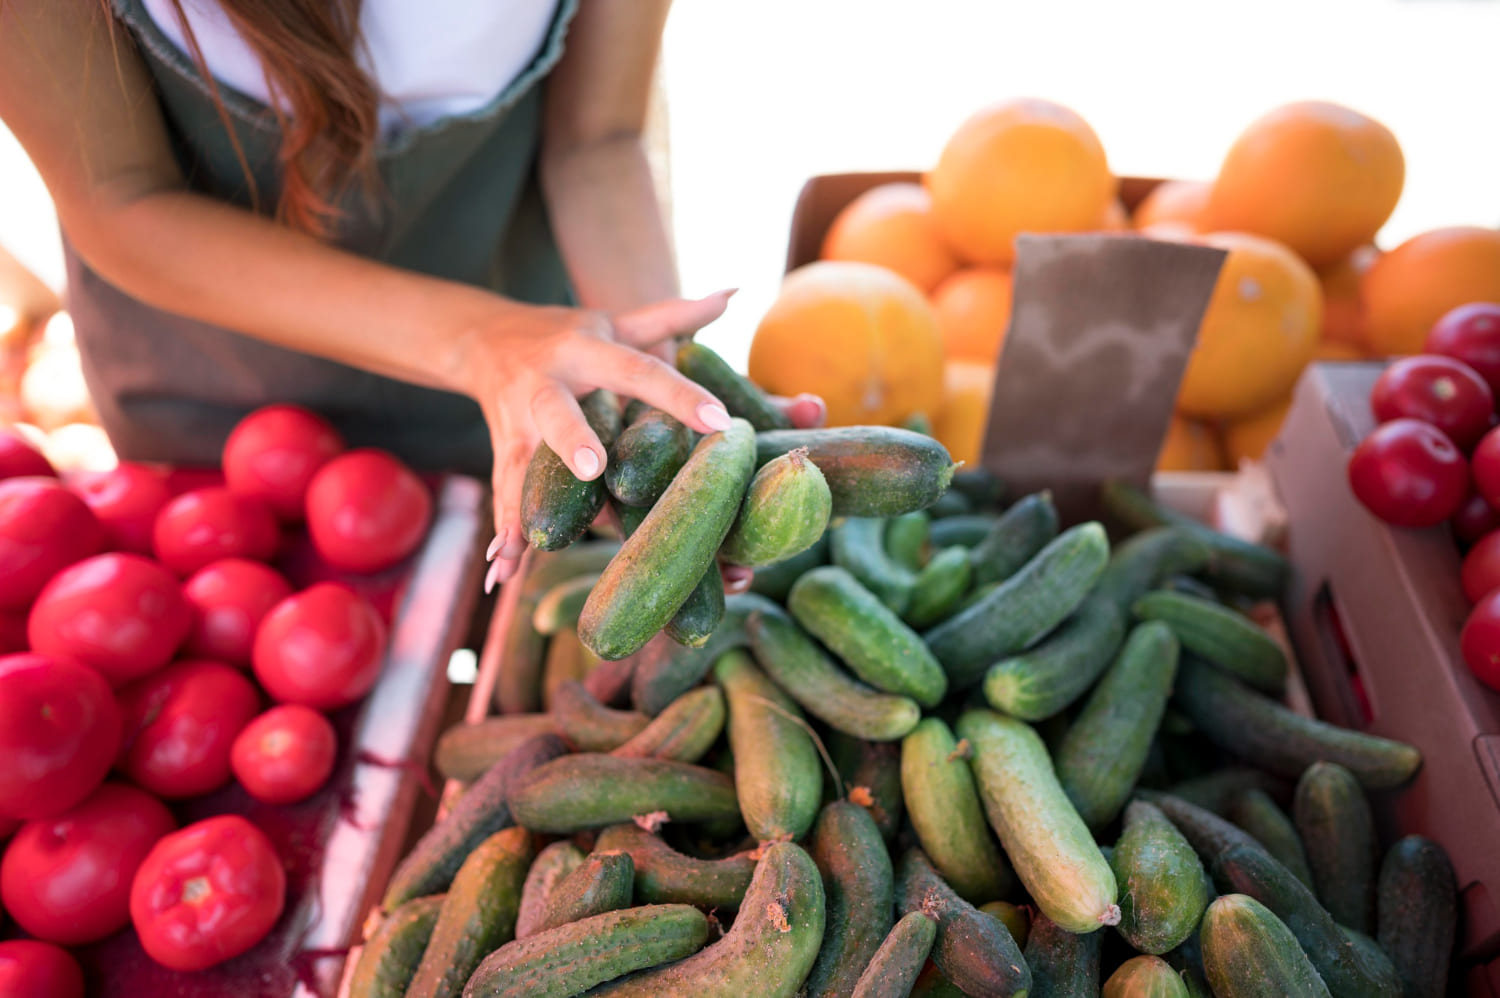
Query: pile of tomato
[[151, 653]]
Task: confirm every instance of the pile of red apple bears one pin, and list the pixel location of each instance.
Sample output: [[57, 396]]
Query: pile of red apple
[[143, 634]]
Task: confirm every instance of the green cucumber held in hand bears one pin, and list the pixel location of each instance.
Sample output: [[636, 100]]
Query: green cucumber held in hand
[[870, 470], [556, 506], [644, 458], [784, 513], [741, 396]]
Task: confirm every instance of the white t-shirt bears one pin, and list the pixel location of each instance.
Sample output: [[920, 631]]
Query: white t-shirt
[[429, 58]]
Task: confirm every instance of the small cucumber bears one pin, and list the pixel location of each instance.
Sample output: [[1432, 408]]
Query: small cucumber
[[390, 956], [684, 732], [557, 508], [871, 775], [785, 511], [1220, 635], [858, 547], [1164, 889], [568, 661], [1013, 917], [777, 774], [982, 487], [858, 887], [465, 751], [1063, 964], [973, 950], [775, 581], [559, 607], [1144, 977], [550, 867], [664, 670], [635, 409], [1209, 833], [703, 610], [1418, 915], [1102, 754], [609, 682], [871, 470], [588, 725], [1192, 587], [965, 530], [1250, 953], [906, 539], [663, 875], [1017, 537], [645, 456], [1333, 818], [943, 803], [1045, 679], [949, 504], [867, 635], [1215, 791], [894, 968], [1141, 561], [741, 396], [589, 790], [939, 587], [1047, 842], [602, 882], [1255, 812]]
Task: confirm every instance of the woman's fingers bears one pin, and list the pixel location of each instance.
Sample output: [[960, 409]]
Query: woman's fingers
[[653, 324], [560, 422], [632, 374], [736, 578], [807, 412], [513, 440]]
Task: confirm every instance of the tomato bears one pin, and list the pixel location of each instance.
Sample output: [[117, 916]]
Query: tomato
[[29, 969], [8, 827], [229, 599], [1475, 518], [1485, 465], [322, 647], [1480, 640], [66, 879], [206, 525], [1470, 333], [183, 480], [1439, 390], [180, 725], [13, 632], [300, 562], [366, 511], [1481, 569], [126, 501], [19, 459], [286, 754], [59, 731], [273, 454], [44, 528], [1409, 474]]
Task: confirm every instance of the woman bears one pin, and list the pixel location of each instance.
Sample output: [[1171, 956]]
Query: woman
[[432, 222]]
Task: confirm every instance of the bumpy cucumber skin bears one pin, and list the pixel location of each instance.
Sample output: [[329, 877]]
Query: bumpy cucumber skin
[[589, 725], [796, 664], [1143, 560], [973, 950], [939, 588], [964, 530], [1144, 977], [1044, 680], [943, 803], [390, 956], [559, 606], [1063, 964], [664, 875], [778, 777], [1266, 734], [645, 456], [873, 768], [1017, 537], [591, 790], [551, 866], [465, 751], [556, 507], [858, 888], [1208, 833], [1101, 756], [701, 613], [659, 565], [568, 960], [1333, 818], [871, 470], [894, 968], [1255, 812], [664, 670], [1418, 914], [741, 396], [768, 951], [684, 732], [602, 882], [785, 511], [1048, 844], [906, 539], [858, 547], [1163, 887], [1250, 953], [775, 581], [1220, 635]]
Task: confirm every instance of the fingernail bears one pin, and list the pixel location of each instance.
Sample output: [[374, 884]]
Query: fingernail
[[738, 584], [492, 577], [495, 545], [714, 416], [513, 549], [729, 293], [586, 461]]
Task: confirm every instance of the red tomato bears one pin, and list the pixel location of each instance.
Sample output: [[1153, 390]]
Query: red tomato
[[67, 879], [126, 501], [29, 969], [59, 731], [300, 562], [8, 827], [229, 599], [1439, 390], [1474, 519], [1409, 474], [1485, 464], [18, 458], [1480, 640], [180, 725], [1471, 333], [366, 511], [206, 525], [322, 647], [286, 754], [13, 632], [119, 613], [273, 454], [44, 528], [1481, 570], [184, 480]]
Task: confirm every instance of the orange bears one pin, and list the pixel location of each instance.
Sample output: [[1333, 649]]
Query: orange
[[1258, 333], [1343, 307], [856, 334], [891, 225], [1178, 201], [1319, 177], [1116, 218], [1020, 166], [1247, 438], [1189, 446], [973, 311], [965, 411], [1412, 286]]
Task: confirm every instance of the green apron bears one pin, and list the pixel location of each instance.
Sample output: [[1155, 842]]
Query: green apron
[[458, 199]]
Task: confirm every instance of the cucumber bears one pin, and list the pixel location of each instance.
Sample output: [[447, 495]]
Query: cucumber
[[481, 812], [777, 774], [965, 530], [609, 682], [550, 867], [858, 888], [867, 635], [602, 882], [906, 539], [588, 725], [1141, 561], [684, 732], [1333, 818], [568, 661], [939, 587], [796, 664], [950, 503], [478, 914], [1101, 757], [660, 564], [1144, 977], [775, 581], [858, 547], [741, 396], [557, 508], [666, 670], [559, 607], [1418, 914], [1216, 790], [785, 511], [1016, 537], [1194, 985], [768, 951], [1225, 637], [635, 409], [1192, 587], [390, 956], [982, 487], [973, 950], [1014, 918], [1045, 679], [943, 803], [662, 874], [1258, 815], [465, 751], [1250, 953], [1208, 833], [590, 790], [571, 959], [1164, 889], [1262, 732], [1047, 842], [1026, 607], [871, 470], [871, 775], [645, 456], [701, 613], [894, 968], [1063, 964]]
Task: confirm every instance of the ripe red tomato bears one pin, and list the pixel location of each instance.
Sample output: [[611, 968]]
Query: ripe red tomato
[[1470, 333], [1481, 570], [44, 528], [66, 879], [229, 599], [286, 754], [1485, 464], [59, 731], [18, 458], [180, 725], [1409, 474], [1439, 390], [126, 501], [366, 511], [1480, 640], [273, 454], [29, 969], [206, 525], [1474, 519], [322, 647], [207, 893], [183, 480]]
